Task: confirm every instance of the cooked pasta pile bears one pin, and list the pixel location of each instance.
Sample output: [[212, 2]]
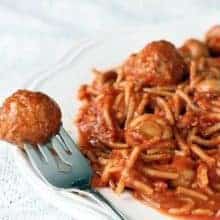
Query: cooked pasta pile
[[152, 126]]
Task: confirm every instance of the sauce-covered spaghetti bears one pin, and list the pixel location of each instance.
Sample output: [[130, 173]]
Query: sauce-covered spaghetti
[[152, 126]]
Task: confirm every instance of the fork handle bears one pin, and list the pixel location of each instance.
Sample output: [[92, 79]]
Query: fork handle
[[98, 197]]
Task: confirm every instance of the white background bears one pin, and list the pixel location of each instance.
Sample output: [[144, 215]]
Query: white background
[[35, 34]]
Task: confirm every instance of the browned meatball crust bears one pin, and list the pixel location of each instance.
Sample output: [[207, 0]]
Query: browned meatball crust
[[159, 63], [29, 117], [213, 40]]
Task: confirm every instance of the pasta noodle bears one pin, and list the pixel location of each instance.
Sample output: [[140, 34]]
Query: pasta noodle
[[160, 174], [191, 193], [185, 209]]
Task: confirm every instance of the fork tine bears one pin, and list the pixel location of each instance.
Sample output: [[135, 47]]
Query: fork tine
[[33, 155], [58, 146], [47, 154], [67, 139], [81, 164]]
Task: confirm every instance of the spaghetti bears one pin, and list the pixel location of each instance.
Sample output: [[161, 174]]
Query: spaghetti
[[152, 126]]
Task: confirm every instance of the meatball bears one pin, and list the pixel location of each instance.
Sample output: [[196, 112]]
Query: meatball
[[158, 64], [146, 127], [29, 117], [213, 40], [193, 49]]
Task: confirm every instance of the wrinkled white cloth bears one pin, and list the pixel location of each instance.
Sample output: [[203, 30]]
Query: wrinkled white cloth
[[35, 34]]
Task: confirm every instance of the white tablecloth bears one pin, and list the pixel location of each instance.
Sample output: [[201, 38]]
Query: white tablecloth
[[34, 34]]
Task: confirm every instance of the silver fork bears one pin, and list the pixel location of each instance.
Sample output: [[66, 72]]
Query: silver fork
[[62, 165]]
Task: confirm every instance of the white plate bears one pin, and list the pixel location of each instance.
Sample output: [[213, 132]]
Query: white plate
[[62, 82]]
